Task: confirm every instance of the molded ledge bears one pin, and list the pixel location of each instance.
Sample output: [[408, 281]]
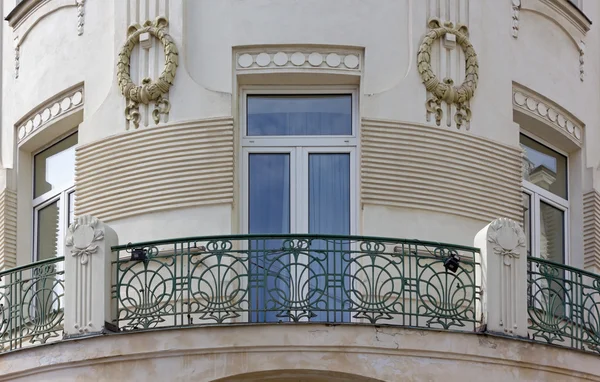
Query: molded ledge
[[386, 353]]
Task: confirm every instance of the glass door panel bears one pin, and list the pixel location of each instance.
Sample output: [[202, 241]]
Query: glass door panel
[[329, 213], [268, 213]]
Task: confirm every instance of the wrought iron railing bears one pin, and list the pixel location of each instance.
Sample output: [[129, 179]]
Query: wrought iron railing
[[31, 304], [296, 278], [564, 305]]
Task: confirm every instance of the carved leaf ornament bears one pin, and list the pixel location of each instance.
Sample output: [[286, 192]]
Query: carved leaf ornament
[[506, 243], [82, 237], [149, 91], [445, 90]]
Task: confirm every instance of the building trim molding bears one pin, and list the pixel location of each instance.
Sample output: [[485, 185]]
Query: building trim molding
[[548, 112], [65, 102]]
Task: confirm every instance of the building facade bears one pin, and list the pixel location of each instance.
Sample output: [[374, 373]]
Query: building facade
[[272, 182]]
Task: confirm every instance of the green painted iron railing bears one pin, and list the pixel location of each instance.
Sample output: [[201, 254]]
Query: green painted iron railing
[[31, 304], [564, 305], [295, 278]]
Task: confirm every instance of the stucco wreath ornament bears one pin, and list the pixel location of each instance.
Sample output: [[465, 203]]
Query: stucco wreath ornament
[[507, 237], [82, 236], [445, 90], [149, 91]]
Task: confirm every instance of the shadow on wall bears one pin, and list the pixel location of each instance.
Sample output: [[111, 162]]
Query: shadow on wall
[[298, 376]]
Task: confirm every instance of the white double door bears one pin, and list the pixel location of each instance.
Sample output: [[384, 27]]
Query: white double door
[[299, 189]]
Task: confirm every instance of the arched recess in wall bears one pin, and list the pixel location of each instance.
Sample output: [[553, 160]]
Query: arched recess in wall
[[28, 13], [571, 22]]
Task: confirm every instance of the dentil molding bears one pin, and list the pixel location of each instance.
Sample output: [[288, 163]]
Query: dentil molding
[[63, 103], [277, 59], [549, 112]]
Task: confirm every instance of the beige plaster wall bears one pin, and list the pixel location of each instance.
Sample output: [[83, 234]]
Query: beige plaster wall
[[211, 353]]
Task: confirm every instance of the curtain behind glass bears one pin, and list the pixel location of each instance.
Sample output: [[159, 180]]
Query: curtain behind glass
[[299, 115], [269, 213], [329, 213]]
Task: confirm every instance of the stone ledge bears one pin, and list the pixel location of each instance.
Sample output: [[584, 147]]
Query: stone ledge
[[209, 353]]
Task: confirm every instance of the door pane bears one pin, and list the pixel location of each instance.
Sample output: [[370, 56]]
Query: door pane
[[552, 240], [552, 248], [48, 231], [329, 213], [269, 213], [54, 168], [299, 115]]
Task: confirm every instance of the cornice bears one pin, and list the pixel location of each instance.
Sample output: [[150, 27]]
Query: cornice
[[53, 108], [571, 13], [548, 112]]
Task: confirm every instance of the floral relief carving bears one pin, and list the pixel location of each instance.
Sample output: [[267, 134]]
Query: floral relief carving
[[149, 91], [82, 237], [445, 90], [507, 238]]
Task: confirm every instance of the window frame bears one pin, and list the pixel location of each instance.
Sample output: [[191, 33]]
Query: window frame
[[49, 197], [538, 195], [297, 146]]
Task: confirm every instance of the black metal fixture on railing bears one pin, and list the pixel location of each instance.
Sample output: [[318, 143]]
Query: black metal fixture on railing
[[137, 254], [451, 262]]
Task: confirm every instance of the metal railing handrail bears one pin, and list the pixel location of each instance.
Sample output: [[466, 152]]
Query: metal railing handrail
[[292, 235]]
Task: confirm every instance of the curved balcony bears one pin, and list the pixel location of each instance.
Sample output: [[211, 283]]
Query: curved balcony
[[296, 278], [241, 280]]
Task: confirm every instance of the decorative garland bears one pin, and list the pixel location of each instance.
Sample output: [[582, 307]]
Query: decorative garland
[[445, 90], [149, 91]]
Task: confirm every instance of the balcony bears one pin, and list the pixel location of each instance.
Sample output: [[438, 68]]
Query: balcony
[[265, 282]]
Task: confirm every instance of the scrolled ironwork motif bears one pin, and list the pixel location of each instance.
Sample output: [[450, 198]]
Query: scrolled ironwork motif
[[31, 304], [564, 305], [296, 278]]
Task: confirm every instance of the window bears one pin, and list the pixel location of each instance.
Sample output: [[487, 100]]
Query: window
[[545, 201], [299, 154], [53, 196], [577, 3]]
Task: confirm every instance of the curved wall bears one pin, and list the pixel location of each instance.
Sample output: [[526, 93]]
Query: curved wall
[[155, 169]]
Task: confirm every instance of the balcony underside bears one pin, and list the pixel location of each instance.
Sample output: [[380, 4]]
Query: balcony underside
[[360, 351]]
